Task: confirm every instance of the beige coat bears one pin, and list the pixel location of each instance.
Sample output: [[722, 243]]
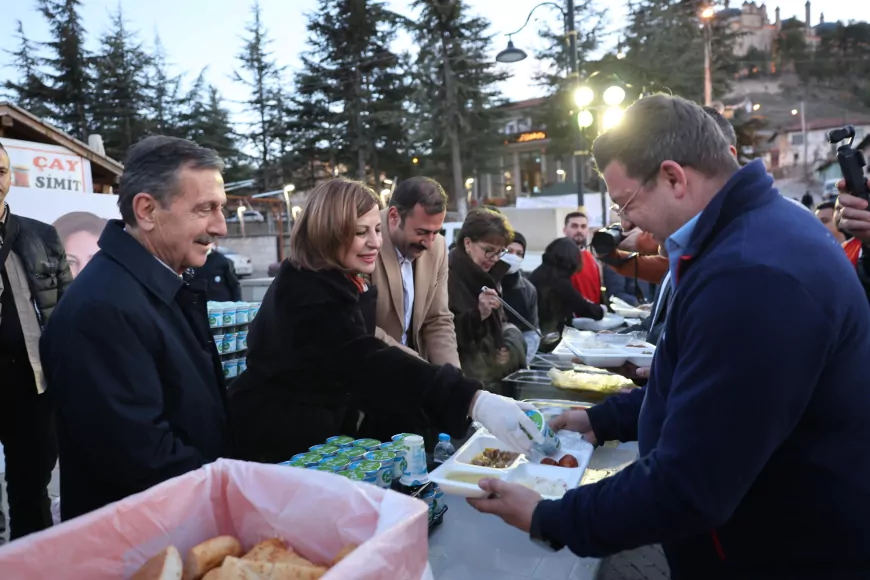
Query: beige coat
[[432, 322]]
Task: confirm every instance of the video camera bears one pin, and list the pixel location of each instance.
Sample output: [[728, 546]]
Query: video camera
[[606, 240], [851, 162]]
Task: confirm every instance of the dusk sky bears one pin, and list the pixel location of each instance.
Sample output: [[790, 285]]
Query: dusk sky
[[200, 33]]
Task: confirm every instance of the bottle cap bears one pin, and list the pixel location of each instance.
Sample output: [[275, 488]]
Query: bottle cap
[[443, 437]]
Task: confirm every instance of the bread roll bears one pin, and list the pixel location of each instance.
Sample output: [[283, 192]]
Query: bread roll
[[209, 555], [275, 551], [239, 569], [166, 565]]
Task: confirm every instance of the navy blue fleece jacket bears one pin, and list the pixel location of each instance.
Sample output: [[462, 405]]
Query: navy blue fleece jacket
[[755, 425]]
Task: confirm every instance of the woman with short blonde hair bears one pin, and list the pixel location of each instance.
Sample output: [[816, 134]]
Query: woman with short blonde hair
[[314, 366]]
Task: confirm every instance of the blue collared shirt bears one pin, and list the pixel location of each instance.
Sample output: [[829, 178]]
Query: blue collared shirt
[[676, 245]]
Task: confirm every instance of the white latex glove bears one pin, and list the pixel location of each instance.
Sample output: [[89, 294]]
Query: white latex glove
[[503, 417]]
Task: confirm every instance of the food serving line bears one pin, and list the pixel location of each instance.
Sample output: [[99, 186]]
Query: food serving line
[[470, 545]]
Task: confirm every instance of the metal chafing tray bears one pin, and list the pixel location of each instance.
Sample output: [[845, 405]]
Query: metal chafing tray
[[536, 384]]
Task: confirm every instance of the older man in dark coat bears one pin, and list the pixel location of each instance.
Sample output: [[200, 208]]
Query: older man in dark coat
[[128, 354]]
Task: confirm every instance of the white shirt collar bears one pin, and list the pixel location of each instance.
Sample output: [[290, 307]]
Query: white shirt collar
[[167, 266]]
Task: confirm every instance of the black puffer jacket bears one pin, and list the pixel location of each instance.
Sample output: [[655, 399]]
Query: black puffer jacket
[[44, 259]]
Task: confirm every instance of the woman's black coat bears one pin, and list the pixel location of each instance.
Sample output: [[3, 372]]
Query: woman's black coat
[[314, 365]]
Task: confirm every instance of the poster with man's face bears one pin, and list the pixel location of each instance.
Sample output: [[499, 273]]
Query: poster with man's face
[[52, 185]]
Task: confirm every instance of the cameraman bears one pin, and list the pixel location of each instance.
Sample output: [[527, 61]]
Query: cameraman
[[853, 217]]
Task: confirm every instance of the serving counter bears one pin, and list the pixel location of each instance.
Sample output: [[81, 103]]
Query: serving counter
[[470, 545]]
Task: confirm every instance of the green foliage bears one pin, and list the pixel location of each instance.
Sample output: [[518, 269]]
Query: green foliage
[[30, 91], [455, 93], [261, 76], [119, 92], [350, 96], [559, 114], [70, 76], [665, 41]]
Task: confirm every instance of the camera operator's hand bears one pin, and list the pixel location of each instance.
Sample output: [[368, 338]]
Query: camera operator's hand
[[629, 240], [854, 216]]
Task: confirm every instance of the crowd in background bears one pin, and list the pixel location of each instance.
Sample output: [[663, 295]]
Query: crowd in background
[[374, 326]]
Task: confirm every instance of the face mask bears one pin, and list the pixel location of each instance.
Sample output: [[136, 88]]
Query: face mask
[[513, 261]]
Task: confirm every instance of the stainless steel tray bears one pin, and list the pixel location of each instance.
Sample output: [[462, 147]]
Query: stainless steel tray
[[536, 384]]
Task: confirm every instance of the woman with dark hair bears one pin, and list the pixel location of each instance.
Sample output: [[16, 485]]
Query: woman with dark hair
[[315, 368], [79, 232], [489, 347], [558, 301]]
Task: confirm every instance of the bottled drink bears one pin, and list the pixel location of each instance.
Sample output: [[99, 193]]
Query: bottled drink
[[444, 449]]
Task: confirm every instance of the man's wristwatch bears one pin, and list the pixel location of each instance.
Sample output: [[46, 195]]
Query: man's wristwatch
[[537, 536]]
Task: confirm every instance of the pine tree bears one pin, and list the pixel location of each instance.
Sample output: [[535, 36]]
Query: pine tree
[[354, 86], [260, 75], [456, 81], [30, 92], [205, 120], [163, 102], [120, 96], [665, 41], [70, 80]]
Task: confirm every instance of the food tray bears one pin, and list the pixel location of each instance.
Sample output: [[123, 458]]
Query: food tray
[[523, 468], [537, 384], [608, 356], [609, 322]]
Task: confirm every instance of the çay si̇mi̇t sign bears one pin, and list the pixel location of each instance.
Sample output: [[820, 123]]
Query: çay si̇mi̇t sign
[[47, 167]]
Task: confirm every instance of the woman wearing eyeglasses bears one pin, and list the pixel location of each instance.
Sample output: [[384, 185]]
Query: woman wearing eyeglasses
[[489, 347]]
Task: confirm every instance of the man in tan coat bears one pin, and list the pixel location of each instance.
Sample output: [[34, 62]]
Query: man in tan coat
[[411, 274]]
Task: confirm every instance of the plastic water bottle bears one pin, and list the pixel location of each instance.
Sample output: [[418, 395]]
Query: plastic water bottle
[[444, 449]]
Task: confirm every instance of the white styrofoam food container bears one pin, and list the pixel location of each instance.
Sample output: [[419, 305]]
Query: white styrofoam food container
[[523, 469]]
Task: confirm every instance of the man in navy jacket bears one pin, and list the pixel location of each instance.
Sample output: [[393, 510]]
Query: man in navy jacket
[[128, 355], [753, 428]]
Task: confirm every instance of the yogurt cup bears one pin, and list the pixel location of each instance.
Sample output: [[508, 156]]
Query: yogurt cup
[[340, 440], [336, 463], [399, 462], [322, 468], [215, 316], [243, 365], [242, 340], [324, 450], [353, 453], [386, 460], [551, 443], [359, 475], [292, 463], [401, 436], [231, 368], [416, 471], [219, 343], [253, 310], [369, 468], [242, 312], [429, 498], [368, 444], [308, 459], [229, 343], [229, 316]]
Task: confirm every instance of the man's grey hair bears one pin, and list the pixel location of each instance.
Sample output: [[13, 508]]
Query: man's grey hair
[[152, 167], [724, 125], [664, 128]]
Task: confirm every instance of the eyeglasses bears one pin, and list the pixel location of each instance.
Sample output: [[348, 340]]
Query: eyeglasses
[[620, 211], [490, 253]]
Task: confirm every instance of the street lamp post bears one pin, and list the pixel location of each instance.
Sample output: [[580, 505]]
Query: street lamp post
[[241, 213], [512, 54], [288, 191], [706, 16]]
